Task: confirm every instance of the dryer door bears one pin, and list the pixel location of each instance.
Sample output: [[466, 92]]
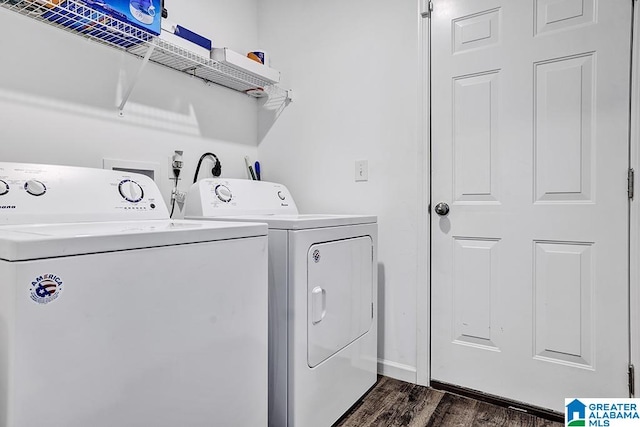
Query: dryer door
[[339, 295]]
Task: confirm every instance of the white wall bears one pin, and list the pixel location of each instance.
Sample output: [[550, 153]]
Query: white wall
[[59, 92], [354, 66]]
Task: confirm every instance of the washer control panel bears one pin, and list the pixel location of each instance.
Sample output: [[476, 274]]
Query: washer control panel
[[32, 193]]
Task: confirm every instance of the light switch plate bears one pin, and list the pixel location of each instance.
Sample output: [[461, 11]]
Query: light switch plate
[[362, 170]]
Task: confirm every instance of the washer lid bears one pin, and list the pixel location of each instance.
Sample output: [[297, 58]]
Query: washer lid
[[299, 222], [27, 242]]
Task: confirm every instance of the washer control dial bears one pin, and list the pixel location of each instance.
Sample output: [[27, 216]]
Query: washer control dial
[[130, 190], [281, 195], [4, 188], [223, 193], [35, 187]]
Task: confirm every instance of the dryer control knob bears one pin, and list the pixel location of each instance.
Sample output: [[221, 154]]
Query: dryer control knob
[[281, 195], [130, 191], [223, 193], [35, 188], [4, 188]]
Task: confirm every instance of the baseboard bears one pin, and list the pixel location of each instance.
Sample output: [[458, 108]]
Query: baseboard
[[397, 370]]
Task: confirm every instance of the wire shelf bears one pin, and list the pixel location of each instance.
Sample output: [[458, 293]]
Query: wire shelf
[[78, 17]]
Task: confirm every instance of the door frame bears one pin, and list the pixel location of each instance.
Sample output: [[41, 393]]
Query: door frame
[[423, 292], [423, 288], [634, 206]]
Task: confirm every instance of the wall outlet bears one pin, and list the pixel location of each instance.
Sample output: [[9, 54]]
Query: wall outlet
[[362, 170], [171, 177]]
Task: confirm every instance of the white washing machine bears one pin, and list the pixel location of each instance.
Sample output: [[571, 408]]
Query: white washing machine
[[322, 298], [111, 314]]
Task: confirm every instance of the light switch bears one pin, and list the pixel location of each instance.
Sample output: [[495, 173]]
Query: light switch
[[362, 170]]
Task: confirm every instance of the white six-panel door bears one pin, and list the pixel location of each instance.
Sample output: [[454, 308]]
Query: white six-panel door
[[530, 117]]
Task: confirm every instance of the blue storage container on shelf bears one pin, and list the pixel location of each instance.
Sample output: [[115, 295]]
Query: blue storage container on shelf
[[123, 23]]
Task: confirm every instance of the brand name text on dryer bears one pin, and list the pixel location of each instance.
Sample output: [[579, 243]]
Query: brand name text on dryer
[[7, 207]]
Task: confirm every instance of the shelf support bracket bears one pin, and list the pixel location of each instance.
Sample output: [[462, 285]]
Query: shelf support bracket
[[127, 94]]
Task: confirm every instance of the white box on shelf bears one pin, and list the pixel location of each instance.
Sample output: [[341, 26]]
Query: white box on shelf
[[242, 63]]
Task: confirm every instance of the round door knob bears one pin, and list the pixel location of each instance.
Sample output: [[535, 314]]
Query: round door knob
[[442, 209]]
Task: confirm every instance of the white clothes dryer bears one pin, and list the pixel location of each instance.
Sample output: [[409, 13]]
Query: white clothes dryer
[[322, 298], [112, 314]]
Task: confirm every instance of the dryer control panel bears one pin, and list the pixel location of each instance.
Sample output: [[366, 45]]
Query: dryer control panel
[[32, 193], [233, 197]]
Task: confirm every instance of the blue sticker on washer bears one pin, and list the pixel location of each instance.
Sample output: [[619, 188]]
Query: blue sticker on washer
[[46, 288]]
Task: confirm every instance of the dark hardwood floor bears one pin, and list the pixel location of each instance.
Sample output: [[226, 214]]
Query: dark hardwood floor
[[395, 403]]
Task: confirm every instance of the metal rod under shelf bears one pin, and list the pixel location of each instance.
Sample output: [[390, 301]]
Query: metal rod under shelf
[[135, 79]]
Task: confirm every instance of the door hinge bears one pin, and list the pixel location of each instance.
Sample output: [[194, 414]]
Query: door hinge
[[372, 310], [632, 381], [426, 7], [630, 183]]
